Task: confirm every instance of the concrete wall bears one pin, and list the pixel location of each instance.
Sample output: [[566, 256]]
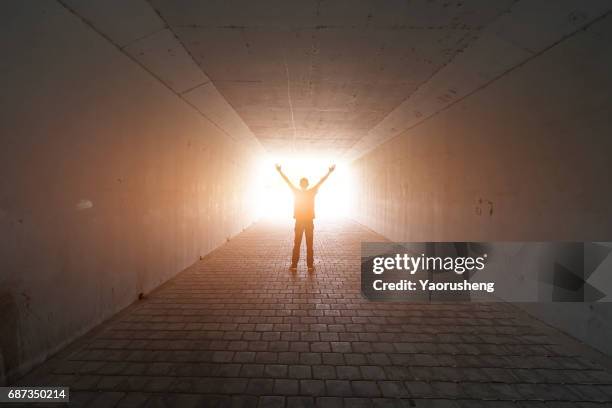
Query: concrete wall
[[110, 183], [525, 158]]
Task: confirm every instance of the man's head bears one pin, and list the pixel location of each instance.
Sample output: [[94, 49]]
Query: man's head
[[304, 183]]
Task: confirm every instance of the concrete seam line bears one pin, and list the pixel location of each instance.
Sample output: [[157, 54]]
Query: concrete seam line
[[290, 104], [90, 25], [169, 27]]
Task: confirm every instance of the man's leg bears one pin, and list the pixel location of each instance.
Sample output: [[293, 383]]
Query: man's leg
[[297, 242], [309, 244]]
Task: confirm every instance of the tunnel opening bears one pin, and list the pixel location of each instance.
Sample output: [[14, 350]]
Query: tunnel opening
[[274, 200]]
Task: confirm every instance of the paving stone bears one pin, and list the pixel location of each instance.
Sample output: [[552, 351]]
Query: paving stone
[[348, 372], [329, 402], [300, 371], [310, 358], [341, 388], [358, 402], [324, 372], [243, 401], [365, 388], [260, 386], [286, 387], [341, 346], [275, 370], [300, 402], [395, 389], [332, 358], [312, 387], [252, 370], [271, 402], [373, 373]]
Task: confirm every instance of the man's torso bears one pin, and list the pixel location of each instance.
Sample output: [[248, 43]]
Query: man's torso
[[304, 203]]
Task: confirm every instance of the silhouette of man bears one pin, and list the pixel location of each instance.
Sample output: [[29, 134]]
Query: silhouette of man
[[303, 212]]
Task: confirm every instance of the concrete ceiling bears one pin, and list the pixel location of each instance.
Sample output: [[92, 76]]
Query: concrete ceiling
[[316, 76], [331, 77]]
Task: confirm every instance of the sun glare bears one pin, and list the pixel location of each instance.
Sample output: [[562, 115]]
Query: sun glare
[[275, 199]]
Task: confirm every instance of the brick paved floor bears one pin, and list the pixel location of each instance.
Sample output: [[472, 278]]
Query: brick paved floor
[[238, 329]]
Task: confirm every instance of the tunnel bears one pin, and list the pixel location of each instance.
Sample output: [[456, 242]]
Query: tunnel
[[147, 227]]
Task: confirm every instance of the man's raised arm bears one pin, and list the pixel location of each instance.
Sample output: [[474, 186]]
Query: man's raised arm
[[278, 168], [331, 168]]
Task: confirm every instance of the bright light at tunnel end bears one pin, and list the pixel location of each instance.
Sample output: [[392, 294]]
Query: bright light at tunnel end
[[273, 199]]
